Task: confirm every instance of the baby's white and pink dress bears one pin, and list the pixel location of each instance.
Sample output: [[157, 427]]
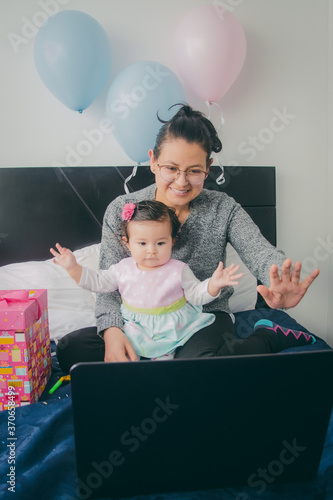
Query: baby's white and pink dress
[[161, 307]]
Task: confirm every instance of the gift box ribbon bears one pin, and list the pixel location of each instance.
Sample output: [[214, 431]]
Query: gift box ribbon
[[19, 296]]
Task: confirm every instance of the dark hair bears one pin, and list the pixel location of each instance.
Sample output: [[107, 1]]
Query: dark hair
[[152, 210], [192, 126]]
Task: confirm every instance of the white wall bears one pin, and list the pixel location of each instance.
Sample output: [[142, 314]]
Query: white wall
[[286, 71], [329, 311]]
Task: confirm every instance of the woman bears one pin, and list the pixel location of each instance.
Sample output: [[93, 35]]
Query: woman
[[180, 161]]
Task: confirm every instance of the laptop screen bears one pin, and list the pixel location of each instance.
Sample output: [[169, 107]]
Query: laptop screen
[[181, 425]]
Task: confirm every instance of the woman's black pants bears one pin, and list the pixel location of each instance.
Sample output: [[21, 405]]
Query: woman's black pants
[[216, 340]]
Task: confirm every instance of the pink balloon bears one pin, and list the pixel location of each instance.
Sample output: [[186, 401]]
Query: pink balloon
[[209, 50]]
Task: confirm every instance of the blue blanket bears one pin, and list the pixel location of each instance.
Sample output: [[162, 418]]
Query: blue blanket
[[44, 458]]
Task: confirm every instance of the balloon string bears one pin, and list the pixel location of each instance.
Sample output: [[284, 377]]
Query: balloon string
[[221, 179], [62, 172], [209, 105], [133, 174]]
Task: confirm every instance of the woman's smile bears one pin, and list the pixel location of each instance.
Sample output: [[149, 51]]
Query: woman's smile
[[179, 192]]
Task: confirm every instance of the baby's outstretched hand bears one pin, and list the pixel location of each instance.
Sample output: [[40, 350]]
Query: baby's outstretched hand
[[63, 257], [223, 277]]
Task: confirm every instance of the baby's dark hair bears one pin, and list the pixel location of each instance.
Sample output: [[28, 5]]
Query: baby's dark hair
[[151, 210], [193, 127]]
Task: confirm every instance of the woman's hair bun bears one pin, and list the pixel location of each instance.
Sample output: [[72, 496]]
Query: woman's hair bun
[[192, 126]]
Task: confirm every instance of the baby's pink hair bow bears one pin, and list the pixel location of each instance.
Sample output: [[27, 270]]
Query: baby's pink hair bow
[[128, 211]]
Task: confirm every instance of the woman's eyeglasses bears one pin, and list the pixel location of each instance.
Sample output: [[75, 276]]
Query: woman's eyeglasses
[[194, 176]]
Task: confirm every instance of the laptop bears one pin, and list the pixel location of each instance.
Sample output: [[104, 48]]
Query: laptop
[[181, 425]]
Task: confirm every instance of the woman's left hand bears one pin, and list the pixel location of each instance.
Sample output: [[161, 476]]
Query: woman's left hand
[[286, 291]]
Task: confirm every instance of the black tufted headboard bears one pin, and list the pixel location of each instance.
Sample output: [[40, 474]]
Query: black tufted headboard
[[39, 205]]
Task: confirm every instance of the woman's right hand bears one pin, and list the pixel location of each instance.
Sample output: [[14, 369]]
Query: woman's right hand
[[117, 346]]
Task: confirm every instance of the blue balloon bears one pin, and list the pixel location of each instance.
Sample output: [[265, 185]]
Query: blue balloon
[[136, 95], [72, 55]]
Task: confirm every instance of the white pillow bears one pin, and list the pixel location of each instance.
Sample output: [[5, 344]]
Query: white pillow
[[71, 307], [244, 297]]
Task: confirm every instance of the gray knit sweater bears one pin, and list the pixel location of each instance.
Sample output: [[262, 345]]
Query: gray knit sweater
[[214, 220]]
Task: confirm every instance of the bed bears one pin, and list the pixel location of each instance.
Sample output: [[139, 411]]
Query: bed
[[40, 206]]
